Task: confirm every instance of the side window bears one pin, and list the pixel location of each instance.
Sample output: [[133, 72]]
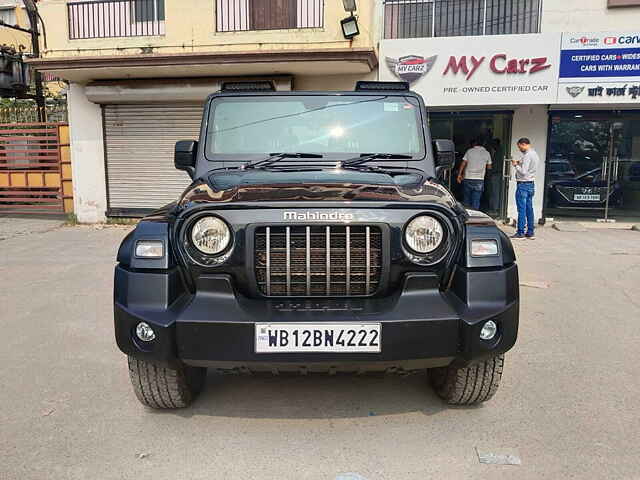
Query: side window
[[8, 15]]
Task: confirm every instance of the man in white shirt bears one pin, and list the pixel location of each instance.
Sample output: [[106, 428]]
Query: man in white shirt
[[475, 164]]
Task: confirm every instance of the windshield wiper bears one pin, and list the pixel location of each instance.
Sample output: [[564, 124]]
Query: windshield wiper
[[367, 157], [276, 157]]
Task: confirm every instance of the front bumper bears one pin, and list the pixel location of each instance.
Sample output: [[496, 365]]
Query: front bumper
[[422, 327]]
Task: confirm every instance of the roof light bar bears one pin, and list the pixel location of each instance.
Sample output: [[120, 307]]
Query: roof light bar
[[260, 86], [367, 86]]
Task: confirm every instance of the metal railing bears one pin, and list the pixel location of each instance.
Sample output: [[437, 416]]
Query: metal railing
[[449, 18], [115, 18], [245, 15]]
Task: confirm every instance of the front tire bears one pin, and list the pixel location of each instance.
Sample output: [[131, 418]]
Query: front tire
[[470, 385], [163, 387]]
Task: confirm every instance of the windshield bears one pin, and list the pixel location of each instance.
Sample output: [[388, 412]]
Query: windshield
[[560, 167], [337, 127]]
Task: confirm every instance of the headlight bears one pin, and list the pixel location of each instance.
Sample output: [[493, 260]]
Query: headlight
[[210, 235], [424, 234]]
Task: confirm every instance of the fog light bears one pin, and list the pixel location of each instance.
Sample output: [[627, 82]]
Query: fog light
[[145, 332], [489, 330]]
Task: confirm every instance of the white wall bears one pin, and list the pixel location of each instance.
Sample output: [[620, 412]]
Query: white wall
[[87, 157], [529, 121], [331, 82], [587, 16]]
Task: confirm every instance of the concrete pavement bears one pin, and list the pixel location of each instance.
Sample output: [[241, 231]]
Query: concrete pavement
[[12, 227], [567, 405]]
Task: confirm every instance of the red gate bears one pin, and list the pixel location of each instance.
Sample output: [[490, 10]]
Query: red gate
[[35, 168]]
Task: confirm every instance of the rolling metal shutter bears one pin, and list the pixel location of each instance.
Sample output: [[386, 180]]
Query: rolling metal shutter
[[139, 142]]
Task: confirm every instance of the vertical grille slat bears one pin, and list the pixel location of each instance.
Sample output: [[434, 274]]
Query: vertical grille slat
[[268, 257], [328, 264], [368, 259], [288, 247], [318, 260], [347, 252], [308, 252]]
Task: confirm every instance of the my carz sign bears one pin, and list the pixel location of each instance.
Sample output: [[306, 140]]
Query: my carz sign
[[500, 70]]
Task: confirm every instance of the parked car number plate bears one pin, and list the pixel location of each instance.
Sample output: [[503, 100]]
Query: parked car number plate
[[318, 337], [583, 197]]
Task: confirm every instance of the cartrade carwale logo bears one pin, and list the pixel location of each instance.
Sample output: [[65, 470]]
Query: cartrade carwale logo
[[629, 39], [411, 67], [585, 41]]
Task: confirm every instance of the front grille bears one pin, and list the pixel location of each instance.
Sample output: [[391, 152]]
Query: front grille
[[310, 261]]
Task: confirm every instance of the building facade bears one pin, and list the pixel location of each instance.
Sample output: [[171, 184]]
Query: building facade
[[564, 74], [12, 12], [140, 70]]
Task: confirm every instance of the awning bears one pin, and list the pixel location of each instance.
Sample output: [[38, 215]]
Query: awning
[[209, 64], [165, 90]]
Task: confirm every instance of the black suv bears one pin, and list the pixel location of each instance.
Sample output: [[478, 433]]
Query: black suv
[[315, 237]]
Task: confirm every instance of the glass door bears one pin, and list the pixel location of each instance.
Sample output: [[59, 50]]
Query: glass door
[[593, 165], [624, 171], [493, 131]]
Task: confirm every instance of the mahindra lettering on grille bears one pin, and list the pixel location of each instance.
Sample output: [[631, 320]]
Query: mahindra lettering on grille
[[321, 216], [314, 260]]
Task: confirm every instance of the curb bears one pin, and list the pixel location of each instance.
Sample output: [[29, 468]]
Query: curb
[[568, 227]]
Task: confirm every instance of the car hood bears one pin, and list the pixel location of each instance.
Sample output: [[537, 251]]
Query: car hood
[[314, 185]]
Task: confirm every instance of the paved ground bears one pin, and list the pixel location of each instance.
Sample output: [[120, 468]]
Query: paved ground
[[567, 405], [12, 227]]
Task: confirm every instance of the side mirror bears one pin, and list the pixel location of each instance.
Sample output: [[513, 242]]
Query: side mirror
[[445, 152], [185, 156]]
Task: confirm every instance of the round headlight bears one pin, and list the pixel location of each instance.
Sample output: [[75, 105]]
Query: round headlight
[[210, 235], [424, 234]]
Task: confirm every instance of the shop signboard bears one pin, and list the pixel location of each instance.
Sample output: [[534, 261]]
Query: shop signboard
[[490, 70], [599, 67]]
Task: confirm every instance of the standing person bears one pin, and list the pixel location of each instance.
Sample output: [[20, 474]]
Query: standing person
[[525, 169], [474, 166], [495, 177]]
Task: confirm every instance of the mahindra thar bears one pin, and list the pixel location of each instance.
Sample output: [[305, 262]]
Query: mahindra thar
[[315, 237]]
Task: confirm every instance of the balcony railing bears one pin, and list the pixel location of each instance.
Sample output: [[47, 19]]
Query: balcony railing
[[115, 18], [244, 15], [449, 18]]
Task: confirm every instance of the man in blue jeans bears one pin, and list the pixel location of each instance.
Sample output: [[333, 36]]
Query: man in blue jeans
[[476, 162], [525, 169]]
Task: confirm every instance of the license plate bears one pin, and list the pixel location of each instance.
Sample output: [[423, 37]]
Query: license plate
[[318, 337], [582, 197]]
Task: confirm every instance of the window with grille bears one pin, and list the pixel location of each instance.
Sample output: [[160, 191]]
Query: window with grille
[[246, 15], [449, 18]]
